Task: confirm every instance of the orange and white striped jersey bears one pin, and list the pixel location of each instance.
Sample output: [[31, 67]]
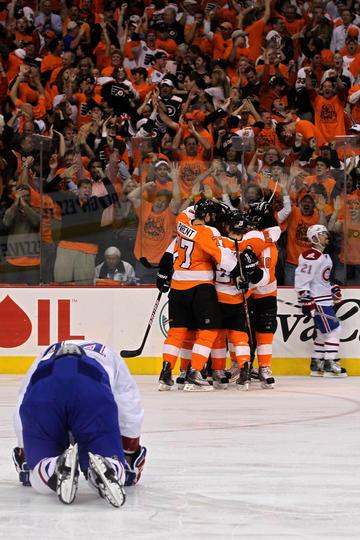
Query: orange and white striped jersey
[[226, 289], [198, 249], [268, 260]]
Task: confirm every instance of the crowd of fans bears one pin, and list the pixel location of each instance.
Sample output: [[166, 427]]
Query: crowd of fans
[[115, 116]]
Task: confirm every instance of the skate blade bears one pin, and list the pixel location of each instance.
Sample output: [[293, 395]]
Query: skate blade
[[180, 387], [329, 375], [67, 483], [316, 373], [197, 388], [267, 386], [243, 387], [220, 386], [111, 490], [164, 387]]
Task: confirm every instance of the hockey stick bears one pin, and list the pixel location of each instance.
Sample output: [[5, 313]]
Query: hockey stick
[[137, 352], [247, 317], [350, 313]]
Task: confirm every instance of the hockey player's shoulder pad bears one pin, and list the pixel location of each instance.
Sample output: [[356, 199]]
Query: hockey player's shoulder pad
[[311, 254]]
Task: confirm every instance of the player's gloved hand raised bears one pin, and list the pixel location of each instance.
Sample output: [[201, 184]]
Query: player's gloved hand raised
[[163, 282], [336, 294], [134, 464], [307, 304]]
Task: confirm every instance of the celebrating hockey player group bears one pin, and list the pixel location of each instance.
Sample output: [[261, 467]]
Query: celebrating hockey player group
[[221, 264], [220, 274]]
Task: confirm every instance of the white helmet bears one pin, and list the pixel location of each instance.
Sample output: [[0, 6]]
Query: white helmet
[[313, 232]]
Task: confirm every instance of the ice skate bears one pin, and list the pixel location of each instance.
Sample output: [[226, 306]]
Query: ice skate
[[103, 475], [220, 380], [316, 367], [244, 380], [233, 373], [332, 368], [165, 379], [67, 471], [266, 378], [181, 380], [255, 374], [195, 382]]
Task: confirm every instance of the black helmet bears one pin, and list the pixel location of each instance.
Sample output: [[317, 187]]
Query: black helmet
[[238, 221], [217, 211], [261, 215]]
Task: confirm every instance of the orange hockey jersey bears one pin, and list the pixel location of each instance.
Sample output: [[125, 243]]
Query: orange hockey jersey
[[198, 249]]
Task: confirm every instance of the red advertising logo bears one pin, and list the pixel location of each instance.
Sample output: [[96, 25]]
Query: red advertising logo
[[16, 326]]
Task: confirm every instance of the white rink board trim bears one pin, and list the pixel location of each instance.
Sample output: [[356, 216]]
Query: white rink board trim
[[31, 318]]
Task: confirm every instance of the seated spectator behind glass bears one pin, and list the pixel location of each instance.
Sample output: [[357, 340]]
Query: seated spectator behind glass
[[113, 270]]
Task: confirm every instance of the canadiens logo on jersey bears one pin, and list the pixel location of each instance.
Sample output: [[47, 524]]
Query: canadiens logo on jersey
[[326, 274], [185, 230]]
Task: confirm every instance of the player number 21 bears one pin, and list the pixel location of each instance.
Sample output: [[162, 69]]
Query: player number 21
[[305, 269]]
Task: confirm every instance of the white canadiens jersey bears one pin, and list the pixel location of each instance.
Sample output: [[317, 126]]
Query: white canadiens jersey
[[313, 275], [124, 389]]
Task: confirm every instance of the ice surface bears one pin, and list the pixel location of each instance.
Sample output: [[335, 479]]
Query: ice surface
[[267, 464]]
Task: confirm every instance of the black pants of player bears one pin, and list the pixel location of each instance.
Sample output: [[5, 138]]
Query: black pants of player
[[196, 308]]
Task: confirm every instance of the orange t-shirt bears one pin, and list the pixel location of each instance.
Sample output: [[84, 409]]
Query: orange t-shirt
[[255, 31], [167, 45], [329, 117], [51, 62], [155, 232], [308, 130], [297, 241], [222, 47], [328, 184], [190, 167]]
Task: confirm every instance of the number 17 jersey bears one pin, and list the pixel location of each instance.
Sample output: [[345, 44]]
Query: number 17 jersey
[[198, 250]]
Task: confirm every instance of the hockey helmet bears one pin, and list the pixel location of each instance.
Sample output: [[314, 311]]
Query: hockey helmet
[[215, 209], [238, 221], [314, 231], [69, 349]]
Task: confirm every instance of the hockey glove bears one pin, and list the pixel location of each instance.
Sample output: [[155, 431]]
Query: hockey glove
[[163, 282], [134, 464], [242, 285], [21, 466], [336, 294], [250, 266], [307, 304]]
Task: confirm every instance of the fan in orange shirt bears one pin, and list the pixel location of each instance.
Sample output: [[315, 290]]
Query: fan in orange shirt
[[329, 107]]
